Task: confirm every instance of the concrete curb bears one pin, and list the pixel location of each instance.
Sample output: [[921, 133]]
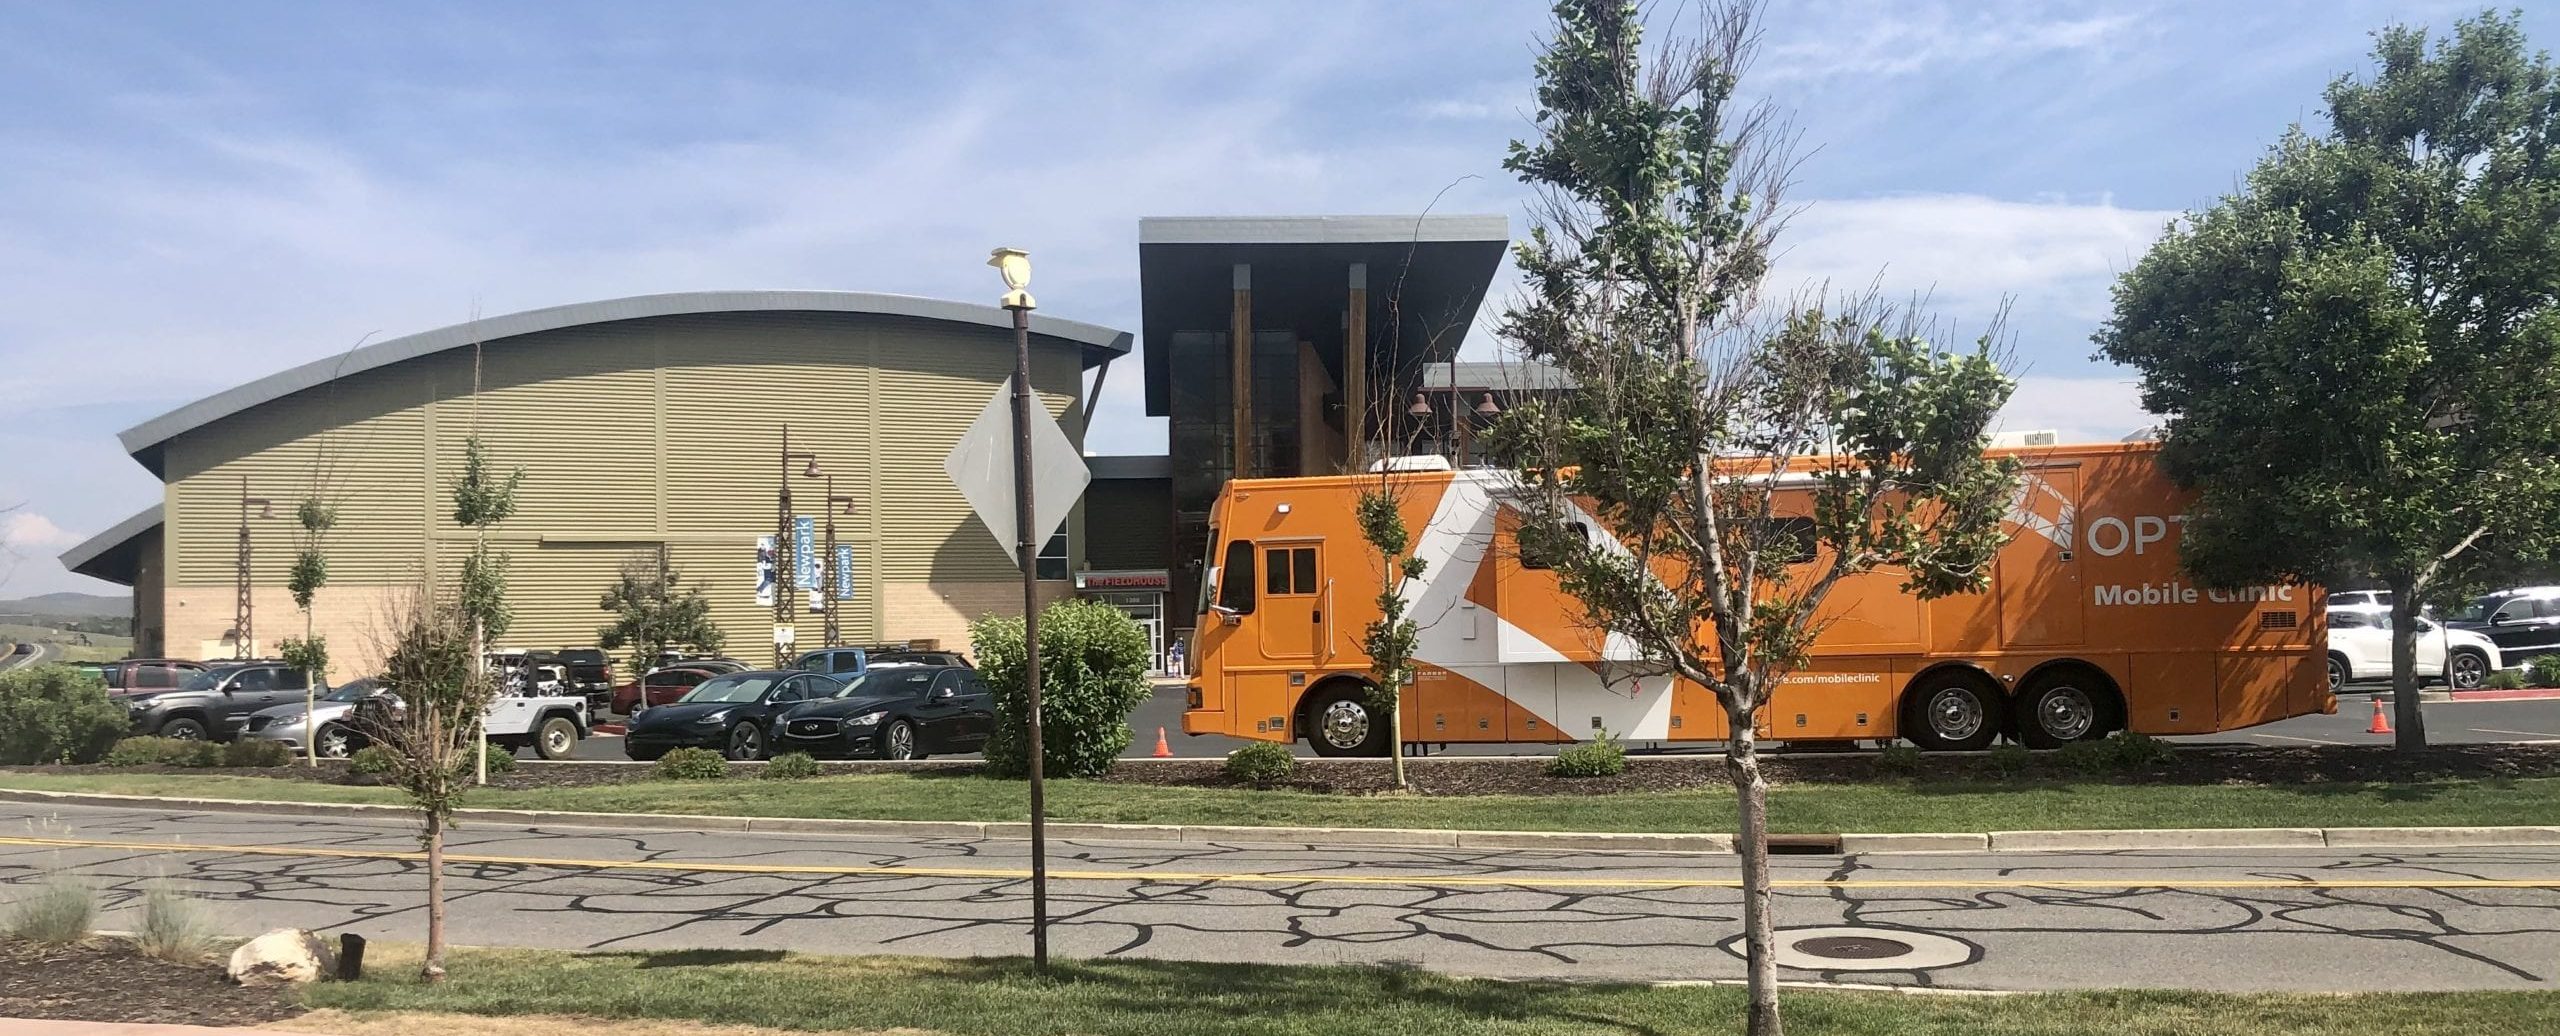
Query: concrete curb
[[1850, 844]]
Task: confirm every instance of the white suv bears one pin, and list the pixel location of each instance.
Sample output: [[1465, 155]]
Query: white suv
[[2360, 649]]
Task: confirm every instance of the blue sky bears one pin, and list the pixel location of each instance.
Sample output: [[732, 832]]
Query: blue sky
[[199, 194]]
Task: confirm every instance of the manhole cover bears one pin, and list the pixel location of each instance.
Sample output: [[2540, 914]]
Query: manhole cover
[[1864, 948], [1852, 947]]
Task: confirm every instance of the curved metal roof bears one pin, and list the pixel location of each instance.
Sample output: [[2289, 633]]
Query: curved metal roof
[[1099, 343], [79, 558]]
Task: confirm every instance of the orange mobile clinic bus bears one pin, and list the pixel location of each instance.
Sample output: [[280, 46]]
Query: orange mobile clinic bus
[[2089, 626]]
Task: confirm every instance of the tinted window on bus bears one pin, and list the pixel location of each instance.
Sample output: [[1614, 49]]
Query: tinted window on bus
[[1235, 578], [1532, 559], [1793, 539]]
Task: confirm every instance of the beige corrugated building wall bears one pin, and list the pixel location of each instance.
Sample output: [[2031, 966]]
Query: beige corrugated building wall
[[637, 422]]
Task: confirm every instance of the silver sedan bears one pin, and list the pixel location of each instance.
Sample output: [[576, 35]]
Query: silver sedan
[[329, 717]]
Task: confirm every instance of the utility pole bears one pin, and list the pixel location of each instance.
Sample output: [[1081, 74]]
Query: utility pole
[[833, 578], [785, 575]]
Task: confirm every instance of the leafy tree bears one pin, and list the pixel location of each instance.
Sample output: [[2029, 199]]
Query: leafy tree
[[315, 517], [1093, 673], [1653, 489], [1391, 638], [442, 693], [2358, 349], [653, 611], [482, 498]]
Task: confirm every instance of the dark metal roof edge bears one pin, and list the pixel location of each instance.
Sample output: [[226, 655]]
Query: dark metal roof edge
[[124, 531]]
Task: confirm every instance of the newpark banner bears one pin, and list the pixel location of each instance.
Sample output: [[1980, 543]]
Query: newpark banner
[[844, 571], [764, 571], [804, 562]]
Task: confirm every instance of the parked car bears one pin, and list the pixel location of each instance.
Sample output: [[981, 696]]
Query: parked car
[[845, 661], [527, 672], [664, 687], [204, 705], [732, 713], [2523, 622], [589, 672], [2360, 649], [333, 717], [141, 675], [2358, 598], [895, 711], [671, 659]]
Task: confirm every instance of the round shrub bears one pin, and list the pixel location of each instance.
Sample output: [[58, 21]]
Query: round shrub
[[2088, 758], [371, 761], [692, 764], [2543, 671], [251, 752], [56, 714], [501, 760], [163, 751], [791, 766], [1261, 763], [1602, 756], [1898, 759], [2504, 680], [2140, 751], [1093, 673]]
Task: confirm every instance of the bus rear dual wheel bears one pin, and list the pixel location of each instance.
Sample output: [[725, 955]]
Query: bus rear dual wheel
[[1961, 713], [1340, 722]]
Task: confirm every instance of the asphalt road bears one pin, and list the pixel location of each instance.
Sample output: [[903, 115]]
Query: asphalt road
[[2224, 920], [2465, 722], [18, 661]]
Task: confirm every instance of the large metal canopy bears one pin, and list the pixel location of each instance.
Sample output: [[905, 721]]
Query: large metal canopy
[[1427, 275]]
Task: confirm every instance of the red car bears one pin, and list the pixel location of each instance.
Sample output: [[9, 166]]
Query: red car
[[143, 675], [665, 685]]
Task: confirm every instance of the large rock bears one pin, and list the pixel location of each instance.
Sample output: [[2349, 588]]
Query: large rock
[[282, 956]]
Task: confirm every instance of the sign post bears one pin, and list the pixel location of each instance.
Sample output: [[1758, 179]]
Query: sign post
[[1022, 493]]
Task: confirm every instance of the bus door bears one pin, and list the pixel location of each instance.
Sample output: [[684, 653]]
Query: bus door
[[2037, 578], [1296, 621]]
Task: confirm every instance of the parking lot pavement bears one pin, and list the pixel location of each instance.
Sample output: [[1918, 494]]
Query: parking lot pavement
[[2223, 919], [2448, 722]]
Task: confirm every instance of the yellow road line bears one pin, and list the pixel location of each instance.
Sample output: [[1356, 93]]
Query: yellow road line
[[1269, 878]]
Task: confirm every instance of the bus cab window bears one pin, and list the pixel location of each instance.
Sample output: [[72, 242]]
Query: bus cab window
[[1236, 579]]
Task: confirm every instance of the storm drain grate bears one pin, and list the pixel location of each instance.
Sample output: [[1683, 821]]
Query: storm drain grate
[[1852, 947]]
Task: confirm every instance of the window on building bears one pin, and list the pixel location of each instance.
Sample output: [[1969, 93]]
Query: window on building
[[1052, 562]]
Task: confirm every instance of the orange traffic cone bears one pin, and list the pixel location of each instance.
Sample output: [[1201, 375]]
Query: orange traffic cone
[[2381, 723], [1163, 751]]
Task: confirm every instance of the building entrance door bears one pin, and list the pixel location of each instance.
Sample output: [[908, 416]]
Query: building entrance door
[[1147, 610]]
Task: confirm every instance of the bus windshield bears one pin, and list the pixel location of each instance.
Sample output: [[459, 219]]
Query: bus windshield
[[1208, 573]]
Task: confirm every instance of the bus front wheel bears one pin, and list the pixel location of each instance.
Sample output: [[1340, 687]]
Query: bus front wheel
[[1341, 723], [1953, 714]]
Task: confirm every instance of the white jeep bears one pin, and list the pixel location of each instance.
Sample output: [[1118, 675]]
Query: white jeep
[[550, 724]]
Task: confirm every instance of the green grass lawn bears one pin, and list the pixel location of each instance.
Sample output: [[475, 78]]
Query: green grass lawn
[[1879, 807], [1000, 997]]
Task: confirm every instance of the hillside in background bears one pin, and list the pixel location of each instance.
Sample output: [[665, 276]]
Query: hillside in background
[[69, 604]]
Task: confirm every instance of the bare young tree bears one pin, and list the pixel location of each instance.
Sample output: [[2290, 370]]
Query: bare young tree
[[429, 726], [1715, 471]]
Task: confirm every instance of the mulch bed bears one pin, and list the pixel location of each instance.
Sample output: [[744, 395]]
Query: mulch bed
[[106, 980], [1459, 775]]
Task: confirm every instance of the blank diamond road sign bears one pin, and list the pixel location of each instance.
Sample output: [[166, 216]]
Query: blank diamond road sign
[[982, 466]]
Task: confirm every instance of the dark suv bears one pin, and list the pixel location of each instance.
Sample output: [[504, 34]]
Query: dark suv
[[2523, 622], [204, 705], [589, 672]]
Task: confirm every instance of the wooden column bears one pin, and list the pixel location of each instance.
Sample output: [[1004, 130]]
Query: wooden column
[[1240, 345], [1355, 370]]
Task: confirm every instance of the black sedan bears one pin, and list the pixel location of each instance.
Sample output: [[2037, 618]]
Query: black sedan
[[733, 714], [895, 712]]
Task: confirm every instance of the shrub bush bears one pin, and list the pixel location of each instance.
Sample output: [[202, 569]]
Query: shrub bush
[[2009, 760], [175, 927], [1602, 756], [371, 761], [248, 752], [1262, 763], [1093, 673], [791, 766], [2543, 671], [2140, 751], [2090, 758], [1898, 759], [692, 764], [2504, 680], [501, 760], [55, 714], [62, 910], [163, 751]]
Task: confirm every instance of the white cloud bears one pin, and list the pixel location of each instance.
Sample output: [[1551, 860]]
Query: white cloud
[[2081, 408], [1867, 41], [1968, 252], [31, 533]]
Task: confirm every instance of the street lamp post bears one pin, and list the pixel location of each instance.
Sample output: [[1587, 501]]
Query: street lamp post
[[830, 578], [1015, 265], [785, 577], [243, 609]]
